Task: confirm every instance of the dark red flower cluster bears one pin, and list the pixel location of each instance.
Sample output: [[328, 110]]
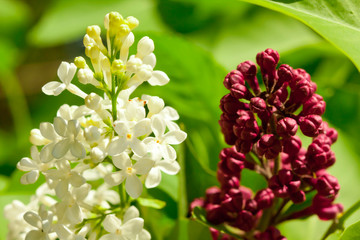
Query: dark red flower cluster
[[262, 121]]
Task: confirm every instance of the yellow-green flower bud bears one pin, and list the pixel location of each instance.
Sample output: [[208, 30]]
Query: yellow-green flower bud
[[132, 22], [80, 62], [93, 31], [124, 29], [117, 66]]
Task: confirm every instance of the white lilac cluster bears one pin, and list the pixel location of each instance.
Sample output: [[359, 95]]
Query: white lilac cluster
[[96, 157]]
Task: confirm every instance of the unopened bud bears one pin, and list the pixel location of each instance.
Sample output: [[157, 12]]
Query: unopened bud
[[93, 31], [132, 22], [310, 125], [286, 127], [80, 62], [257, 105], [92, 101]]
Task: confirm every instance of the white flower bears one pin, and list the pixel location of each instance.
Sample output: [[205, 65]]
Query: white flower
[[62, 176], [66, 72], [69, 210], [163, 140], [153, 178], [128, 133], [33, 166], [42, 221], [69, 131], [129, 173], [118, 231]]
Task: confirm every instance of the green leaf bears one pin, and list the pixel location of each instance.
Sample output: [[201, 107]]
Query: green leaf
[[66, 21], [335, 236], [352, 232], [337, 21], [152, 203]]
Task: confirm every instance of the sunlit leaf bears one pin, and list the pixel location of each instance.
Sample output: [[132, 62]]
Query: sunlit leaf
[[337, 21], [352, 232]]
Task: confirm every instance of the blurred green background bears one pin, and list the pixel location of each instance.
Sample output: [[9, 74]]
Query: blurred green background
[[196, 43]]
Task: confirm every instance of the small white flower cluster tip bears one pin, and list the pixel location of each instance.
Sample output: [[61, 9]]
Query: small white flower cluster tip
[[96, 157]]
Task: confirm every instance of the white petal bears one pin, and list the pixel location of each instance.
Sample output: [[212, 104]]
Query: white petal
[[111, 223], [150, 60], [26, 164], [168, 152], [144, 235], [133, 226], [175, 137], [77, 149], [109, 236], [30, 177], [122, 161], [114, 179], [153, 179], [159, 78], [62, 189], [53, 88], [73, 127], [64, 112], [131, 212], [142, 127], [61, 148], [121, 128], [60, 126], [138, 147], [62, 231], [155, 104], [74, 214], [66, 72], [46, 153], [169, 167], [170, 113], [47, 130], [33, 219], [35, 154], [133, 186], [76, 179], [172, 126], [143, 166], [118, 146], [34, 235], [36, 138], [158, 126], [145, 47]]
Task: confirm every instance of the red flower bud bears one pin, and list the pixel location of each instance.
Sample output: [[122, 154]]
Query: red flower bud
[[291, 145], [314, 105], [310, 125], [215, 214], [286, 127], [233, 77], [264, 198], [245, 220], [257, 105], [268, 145], [240, 91], [327, 186], [248, 69]]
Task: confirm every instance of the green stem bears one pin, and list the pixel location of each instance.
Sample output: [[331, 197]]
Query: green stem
[[123, 197], [339, 223]]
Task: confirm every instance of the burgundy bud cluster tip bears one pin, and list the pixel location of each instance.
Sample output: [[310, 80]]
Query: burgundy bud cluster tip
[[260, 119]]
